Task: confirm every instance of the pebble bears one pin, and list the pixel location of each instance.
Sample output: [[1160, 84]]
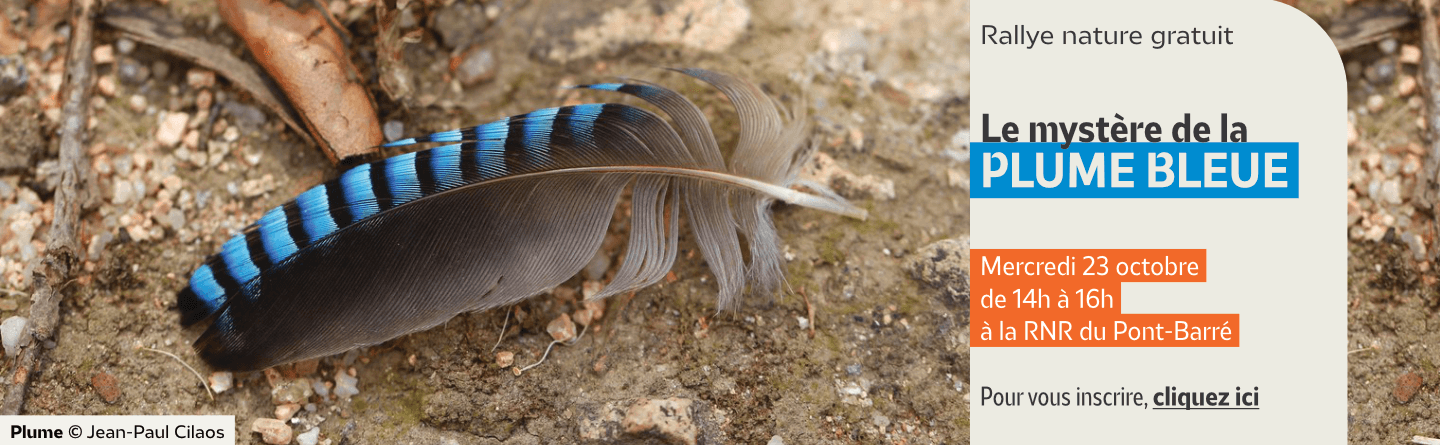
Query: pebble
[[393, 130], [1382, 72], [776, 440], [106, 86], [284, 412], [125, 45], [97, 245], [1407, 86], [320, 388], [200, 78], [477, 65], [171, 128], [504, 359], [1417, 248], [1410, 54], [123, 193], [138, 103], [590, 287], [132, 72], [853, 369], [256, 187], [1390, 192], [345, 386], [309, 437], [272, 431], [221, 381], [1375, 103], [291, 391], [103, 54], [13, 336], [1388, 46], [1406, 386], [583, 316], [561, 329], [106, 385], [668, 418]]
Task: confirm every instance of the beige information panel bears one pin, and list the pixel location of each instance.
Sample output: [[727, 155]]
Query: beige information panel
[[1158, 224]]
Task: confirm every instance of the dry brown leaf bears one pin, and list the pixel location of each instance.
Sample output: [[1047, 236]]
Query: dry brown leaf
[[307, 59]]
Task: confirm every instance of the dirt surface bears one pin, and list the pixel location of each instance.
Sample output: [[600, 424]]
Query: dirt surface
[[887, 359], [1392, 277]]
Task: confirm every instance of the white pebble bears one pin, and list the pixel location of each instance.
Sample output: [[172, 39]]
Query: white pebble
[[12, 334], [221, 381], [309, 437], [319, 388], [345, 386]]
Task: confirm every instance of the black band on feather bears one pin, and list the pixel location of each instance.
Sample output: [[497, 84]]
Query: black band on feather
[[256, 247], [339, 209], [380, 186], [296, 224]]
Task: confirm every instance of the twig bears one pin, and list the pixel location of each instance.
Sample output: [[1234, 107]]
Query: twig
[[203, 383], [1430, 66], [552, 345], [502, 329], [62, 252]]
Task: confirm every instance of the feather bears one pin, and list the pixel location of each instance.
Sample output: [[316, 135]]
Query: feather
[[504, 211]]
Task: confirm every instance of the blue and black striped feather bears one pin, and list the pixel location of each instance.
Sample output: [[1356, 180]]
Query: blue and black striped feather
[[504, 211]]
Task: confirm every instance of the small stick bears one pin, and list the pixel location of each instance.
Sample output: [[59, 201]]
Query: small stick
[[203, 383], [809, 311], [63, 251], [552, 345], [1430, 68]]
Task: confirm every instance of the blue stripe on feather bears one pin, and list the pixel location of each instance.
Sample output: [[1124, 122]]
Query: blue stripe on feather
[[275, 232], [203, 283], [495, 130], [604, 86], [400, 174], [400, 142], [582, 123], [237, 260], [358, 194], [445, 163], [315, 212], [537, 129]]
